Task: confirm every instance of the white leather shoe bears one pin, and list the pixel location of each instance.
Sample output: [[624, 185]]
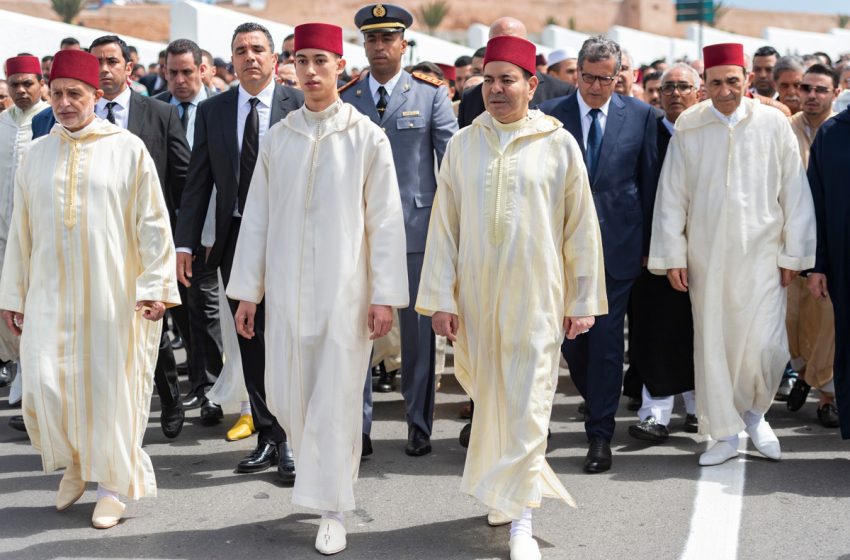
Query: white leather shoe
[[331, 537], [765, 440], [719, 453], [496, 518], [524, 547], [107, 513], [71, 488]]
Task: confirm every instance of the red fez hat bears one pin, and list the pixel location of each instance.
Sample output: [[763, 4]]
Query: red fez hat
[[318, 36], [449, 71], [23, 65], [78, 65], [512, 49], [723, 54]]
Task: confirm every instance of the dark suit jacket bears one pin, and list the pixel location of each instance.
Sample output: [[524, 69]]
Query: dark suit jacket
[[472, 100], [149, 81], [42, 123], [664, 137], [625, 179], [215, 161]]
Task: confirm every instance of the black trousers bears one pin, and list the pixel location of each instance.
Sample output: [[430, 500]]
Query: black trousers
[[253, 353], [206, 347], [165, 374]]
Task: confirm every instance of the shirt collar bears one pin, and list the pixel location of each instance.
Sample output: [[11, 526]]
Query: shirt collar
[[735, 117], [266, 96], [669, 124], [389, 86], [123, 100], [585, 109], [202, 94]]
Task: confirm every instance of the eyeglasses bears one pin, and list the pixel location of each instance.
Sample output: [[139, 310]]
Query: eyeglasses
[[684, 89], [822, 90], [285, 54], [603, 80]]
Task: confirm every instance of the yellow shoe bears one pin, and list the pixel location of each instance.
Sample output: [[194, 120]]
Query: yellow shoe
[[71, 488], [243, 428], [107, 513]]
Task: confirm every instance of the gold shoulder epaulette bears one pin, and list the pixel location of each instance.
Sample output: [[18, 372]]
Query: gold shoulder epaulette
[[428, 79], [348, 85]]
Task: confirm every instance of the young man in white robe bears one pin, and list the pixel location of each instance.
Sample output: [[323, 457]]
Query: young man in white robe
[[323, 240], [24, 82], [734, 233], [88, 273], [512, 264]]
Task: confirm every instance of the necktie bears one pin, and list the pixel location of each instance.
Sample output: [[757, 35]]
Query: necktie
[[184, 118], [250, 148], [594, 142], [110, 116], [383, 100]]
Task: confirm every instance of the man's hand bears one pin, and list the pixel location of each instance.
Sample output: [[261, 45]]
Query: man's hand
[[14, 321], [575, 326], [678, 278], [816, 283], [445, 324], [245, 319], [787, 276], [184, 268], [153, 310], [380, 320]]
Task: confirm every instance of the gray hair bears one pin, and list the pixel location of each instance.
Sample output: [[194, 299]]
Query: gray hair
[[687, 68], [787, 63], [599, 48]]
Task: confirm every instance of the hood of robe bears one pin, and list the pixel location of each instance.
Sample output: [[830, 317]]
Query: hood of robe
[[345, 118], [97, 128], [535, 123], [702, 114]]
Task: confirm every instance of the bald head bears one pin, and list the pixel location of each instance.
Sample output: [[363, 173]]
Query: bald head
[[508, 26]]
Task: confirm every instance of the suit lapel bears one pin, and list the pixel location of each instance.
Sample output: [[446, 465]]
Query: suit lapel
[[363, 100], [572, 121], [135, 122], [278, 110], [399, 95], [613, 124], [228, 122]]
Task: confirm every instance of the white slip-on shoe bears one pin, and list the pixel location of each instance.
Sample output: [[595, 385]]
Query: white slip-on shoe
[[71, 488], [719, 453], [524, 547], [107, 513], [496, 518], [331, 537], [765, 440]]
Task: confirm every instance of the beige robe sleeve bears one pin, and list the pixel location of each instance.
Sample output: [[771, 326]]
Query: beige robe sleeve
[[385, 235], [669, 244], [584, 278], [16, 265], [158, 278], [438, 283], [799, 235]]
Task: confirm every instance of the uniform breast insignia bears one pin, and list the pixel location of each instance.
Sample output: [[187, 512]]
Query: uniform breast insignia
[[410, 113], [348, 85], [428, 79], [379, 10]]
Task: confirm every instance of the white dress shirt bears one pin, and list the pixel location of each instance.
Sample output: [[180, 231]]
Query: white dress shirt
[[264, 111], [192, 108], [121, 111], [671, 127], [389, 86], [584, 110], [732, 119]]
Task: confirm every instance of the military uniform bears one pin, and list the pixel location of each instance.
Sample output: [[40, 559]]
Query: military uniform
[[418, 120]]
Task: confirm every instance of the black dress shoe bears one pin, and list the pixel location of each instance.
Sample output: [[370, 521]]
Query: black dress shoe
[[171, 420], [191, 402], [182, 368], [418, 443], [263, 457], [649, 430], [17, 423], [177, 343], [211, 413], [798, 395], [7, 373], [828, 415], [634, 404], [691, 424], [463, 438], [785, 386], [598, 457], [385, 382], [367, 446], [286, 465]]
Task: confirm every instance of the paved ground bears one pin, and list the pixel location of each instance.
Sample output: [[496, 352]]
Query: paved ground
[[652, 505]]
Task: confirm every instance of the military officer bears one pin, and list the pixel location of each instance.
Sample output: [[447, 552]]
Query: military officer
[[416, 113]]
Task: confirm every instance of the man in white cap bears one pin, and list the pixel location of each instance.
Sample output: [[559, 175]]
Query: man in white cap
[[563, 65]]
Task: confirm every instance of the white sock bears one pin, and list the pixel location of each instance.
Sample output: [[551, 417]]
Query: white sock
[[752, 418], [103, 492], [731, 440], [522, 526], [337, 515], [246, 408], [829, 388], [16, 390]]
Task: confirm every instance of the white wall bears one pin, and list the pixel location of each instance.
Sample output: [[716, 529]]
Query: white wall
[[41, 37], [646, 47], [557, 37], [790, 41], [712, 36]]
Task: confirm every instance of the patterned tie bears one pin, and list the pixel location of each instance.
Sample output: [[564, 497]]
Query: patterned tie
[[250, 148], [184, 118], [594, 142], [383, 100], [110, 116]]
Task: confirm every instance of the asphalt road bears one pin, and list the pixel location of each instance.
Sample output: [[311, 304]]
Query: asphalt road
[[655, 504]]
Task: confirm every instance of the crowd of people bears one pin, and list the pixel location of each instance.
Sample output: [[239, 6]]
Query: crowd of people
[[304, 224]]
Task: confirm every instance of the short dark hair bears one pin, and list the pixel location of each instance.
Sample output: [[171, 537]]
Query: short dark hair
[[68, 42], [429, 68], [463, 61], [480, 53], [767, 50], [183, 46], [826, 56], [133, 50], [25, 54], [250, 27], [108, 40], [47, 58], [650, 76], [290, 36], [824, 70], [207, 54]]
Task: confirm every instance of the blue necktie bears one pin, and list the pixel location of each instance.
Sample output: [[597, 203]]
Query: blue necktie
[[594, 142]]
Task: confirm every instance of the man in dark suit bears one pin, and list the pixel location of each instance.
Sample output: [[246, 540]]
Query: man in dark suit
[[618, 138], [228, 129], [156, 82]]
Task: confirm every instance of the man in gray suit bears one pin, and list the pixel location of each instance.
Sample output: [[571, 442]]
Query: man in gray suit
[[416, 113]]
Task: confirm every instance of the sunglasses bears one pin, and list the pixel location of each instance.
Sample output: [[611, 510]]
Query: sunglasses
[[683, 88], [603, 80], [822, 90], [286, 54]]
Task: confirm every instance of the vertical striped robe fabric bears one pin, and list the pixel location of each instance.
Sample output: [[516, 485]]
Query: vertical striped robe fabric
[[513, 247], [90, 237]]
